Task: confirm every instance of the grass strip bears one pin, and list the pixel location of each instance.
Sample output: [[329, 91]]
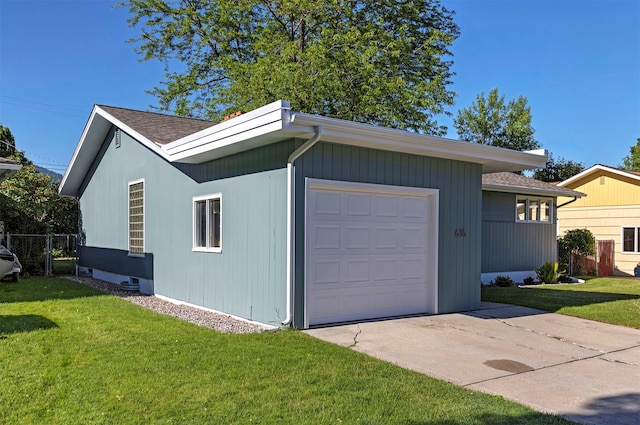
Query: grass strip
[[608, 300]]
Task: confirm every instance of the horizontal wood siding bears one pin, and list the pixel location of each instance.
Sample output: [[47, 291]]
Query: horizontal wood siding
[[511, 246], [605, 223], [460, 210], [248, 278]]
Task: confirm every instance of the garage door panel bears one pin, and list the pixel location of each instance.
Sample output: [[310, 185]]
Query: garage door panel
[[357, 237], [414, 208], [325, 271], [372, 258], [357, 270], [358, 205], [326, 236], [326, 203]]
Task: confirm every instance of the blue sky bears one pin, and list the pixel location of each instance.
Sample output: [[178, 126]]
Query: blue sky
[[577, 62]]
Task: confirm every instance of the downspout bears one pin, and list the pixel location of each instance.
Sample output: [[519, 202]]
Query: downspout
[[290, 219]]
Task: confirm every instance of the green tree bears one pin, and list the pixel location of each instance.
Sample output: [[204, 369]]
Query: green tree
[[8, 147], [491, 121], [577, 241], [379, 62], [631, 162], [558, 170]]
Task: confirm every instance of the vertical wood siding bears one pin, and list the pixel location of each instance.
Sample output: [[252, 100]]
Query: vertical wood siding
[[460, 186], [511, 246], [248, 278]]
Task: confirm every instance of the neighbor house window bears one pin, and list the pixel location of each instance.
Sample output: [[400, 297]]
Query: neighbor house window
[[631, 239], [207, 223], [533, 209], [136, 217]]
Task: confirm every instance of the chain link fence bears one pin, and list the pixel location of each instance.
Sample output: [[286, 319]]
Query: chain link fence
[[44, 254]]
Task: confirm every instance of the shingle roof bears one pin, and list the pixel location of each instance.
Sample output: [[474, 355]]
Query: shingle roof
[[514, 182], [159, 128]]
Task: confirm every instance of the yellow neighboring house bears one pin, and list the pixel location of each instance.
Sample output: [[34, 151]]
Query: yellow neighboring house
[[611, 211]]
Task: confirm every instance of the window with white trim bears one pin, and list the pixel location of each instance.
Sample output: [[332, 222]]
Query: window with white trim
[[533, 209], [631, 239], [207, 223], [136, 217]]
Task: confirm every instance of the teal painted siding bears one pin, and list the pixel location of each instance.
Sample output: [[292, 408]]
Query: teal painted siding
[[511, 246], [248, 278], [460, 209]]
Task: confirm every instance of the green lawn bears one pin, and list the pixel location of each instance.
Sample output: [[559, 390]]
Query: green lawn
[[72, 355], [609, 300]]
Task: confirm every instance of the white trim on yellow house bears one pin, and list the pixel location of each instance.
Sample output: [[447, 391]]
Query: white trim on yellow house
[[604, 211]]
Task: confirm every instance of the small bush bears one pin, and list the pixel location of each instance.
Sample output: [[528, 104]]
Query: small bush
[[548, 273], [503, 281], [529, 280]]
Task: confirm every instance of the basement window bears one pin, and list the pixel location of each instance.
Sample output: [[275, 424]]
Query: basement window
[[531, 209], [207, 223]]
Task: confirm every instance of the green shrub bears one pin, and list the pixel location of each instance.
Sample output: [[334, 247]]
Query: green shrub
[[503, 281], [580, 241], [529, 280], [548, 273]]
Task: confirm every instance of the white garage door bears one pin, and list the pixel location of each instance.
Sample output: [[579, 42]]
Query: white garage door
[[371, 251]]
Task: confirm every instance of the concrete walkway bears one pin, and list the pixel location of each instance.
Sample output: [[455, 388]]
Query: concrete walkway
[[583, 370]]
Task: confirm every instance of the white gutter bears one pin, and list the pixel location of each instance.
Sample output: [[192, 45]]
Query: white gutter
[[290, 219]]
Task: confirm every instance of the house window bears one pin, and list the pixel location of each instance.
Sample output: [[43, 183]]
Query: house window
[[631, 239], [533, 209], [136, 217], [207, 223]]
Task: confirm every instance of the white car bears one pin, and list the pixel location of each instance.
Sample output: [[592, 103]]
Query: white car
[[9, 264]]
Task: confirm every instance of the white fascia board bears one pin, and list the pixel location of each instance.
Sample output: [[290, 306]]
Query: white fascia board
[[225, 138], [131, 132], [85, 151], [10, 167], [596, 168], [493, 159], [89, 145]]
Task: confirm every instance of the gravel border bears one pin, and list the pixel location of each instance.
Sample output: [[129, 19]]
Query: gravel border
[[217, 321]]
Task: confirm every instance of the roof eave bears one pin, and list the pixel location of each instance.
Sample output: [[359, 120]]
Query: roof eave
[[594, 169], [493, 159], [531, 191]]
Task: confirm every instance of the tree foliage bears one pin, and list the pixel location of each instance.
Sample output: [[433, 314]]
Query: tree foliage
[[631, 162], [29, 200], [379, 62], [29, 203], [578, 241], [8, 147], [558, 170], [491, 121]]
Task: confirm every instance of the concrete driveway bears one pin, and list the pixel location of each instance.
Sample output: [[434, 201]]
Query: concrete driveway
[[583, 370]]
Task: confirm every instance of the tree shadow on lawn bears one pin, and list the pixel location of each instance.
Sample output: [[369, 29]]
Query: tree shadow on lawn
[[497, 419], [10, 324], [548, 299], [44, 289]]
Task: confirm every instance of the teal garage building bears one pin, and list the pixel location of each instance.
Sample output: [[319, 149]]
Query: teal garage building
[[284, 218]]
